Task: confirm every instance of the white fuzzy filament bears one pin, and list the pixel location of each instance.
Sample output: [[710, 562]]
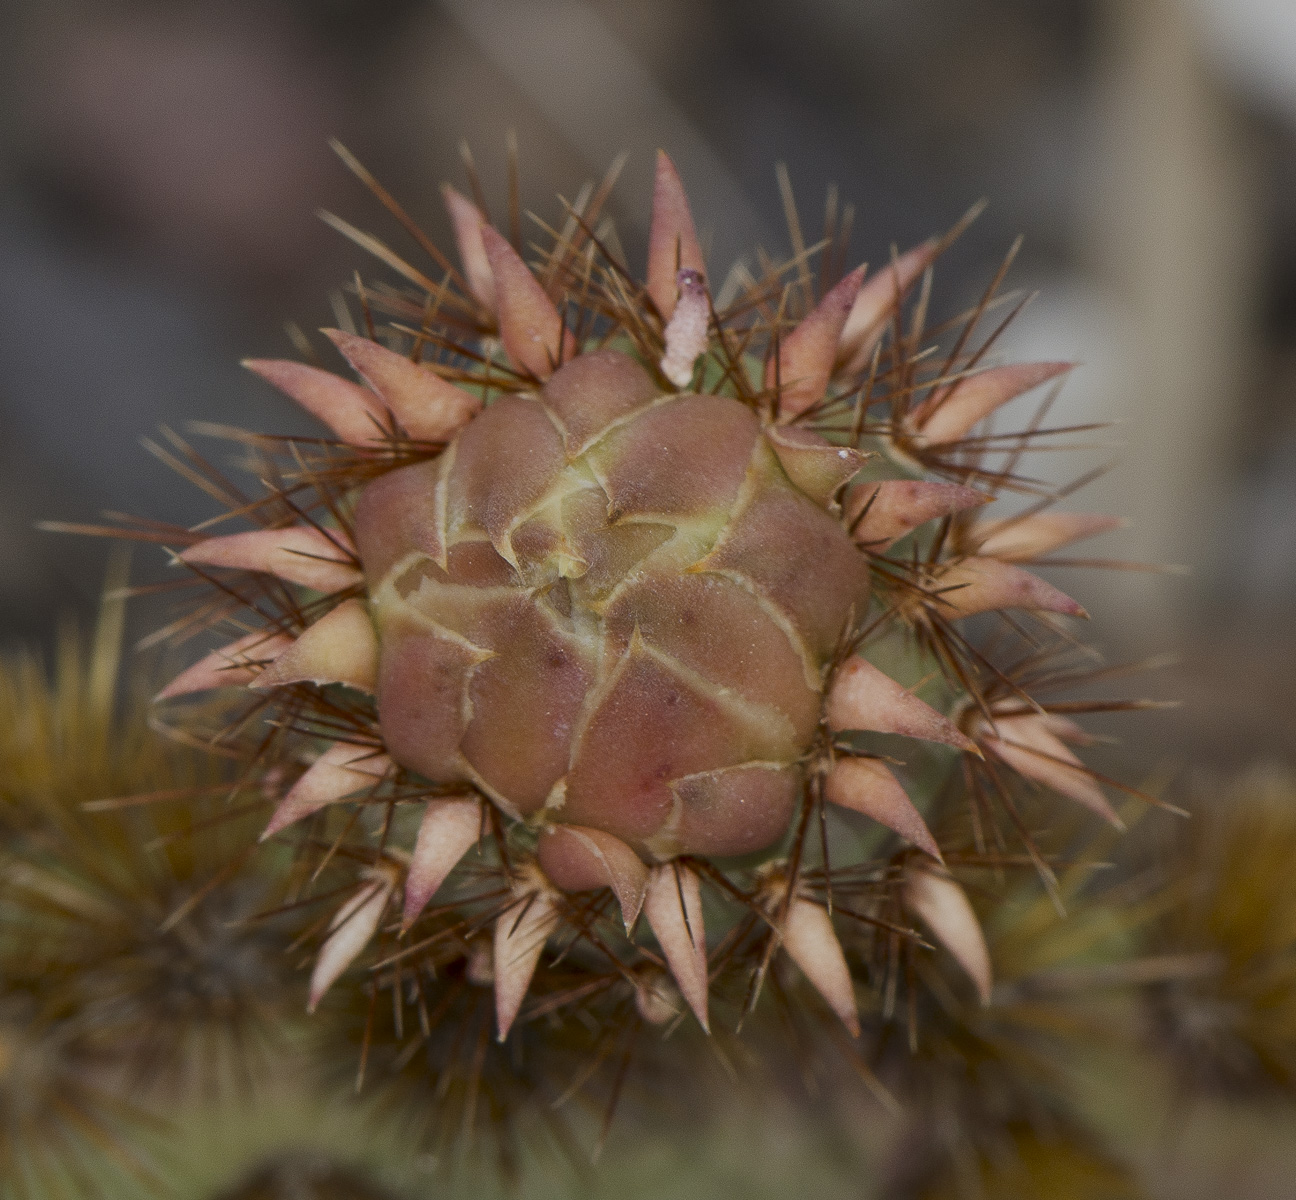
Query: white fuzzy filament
[[686, 333]]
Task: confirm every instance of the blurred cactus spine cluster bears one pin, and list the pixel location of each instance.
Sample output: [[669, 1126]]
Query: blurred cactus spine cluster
[[642, 670]]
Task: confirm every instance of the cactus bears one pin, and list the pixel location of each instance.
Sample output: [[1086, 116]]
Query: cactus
[[120, 993], [612, 652], [1222, 1014]]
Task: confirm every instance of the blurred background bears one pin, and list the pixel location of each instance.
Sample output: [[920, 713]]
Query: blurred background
[[161, 165]]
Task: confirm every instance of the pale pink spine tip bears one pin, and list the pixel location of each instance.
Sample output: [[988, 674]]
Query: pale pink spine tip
[[978, 584], [875, 305], [1020, 539], [879, 513], [1028, 744]]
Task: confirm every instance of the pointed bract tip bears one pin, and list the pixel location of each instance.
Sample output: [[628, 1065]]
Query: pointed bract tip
[[352, 412], [978, 584], [942, 905], [427, 407], [673, 906], [672, 238], [813, 463], [342, 770], [875, 304], [468, 220], [950, 413], [1028, 744], [578, 859], [520, 935], [1020, 539], [530, 326], [811, 943], [803, 360], [235, 665], [302, 554], [866, 785], [865, 697], [449, 829], [341, 647], [352, 928], [879, 513]]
